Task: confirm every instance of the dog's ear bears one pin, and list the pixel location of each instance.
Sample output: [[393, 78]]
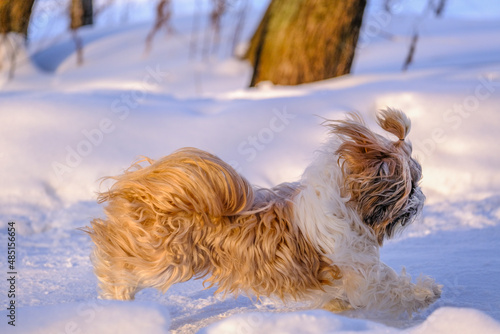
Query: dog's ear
[[376, 170]]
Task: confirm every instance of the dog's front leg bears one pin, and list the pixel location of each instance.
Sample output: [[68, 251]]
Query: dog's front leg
[[380, 288]]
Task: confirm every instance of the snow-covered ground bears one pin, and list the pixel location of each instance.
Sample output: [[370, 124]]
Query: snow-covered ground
[[64, 126]]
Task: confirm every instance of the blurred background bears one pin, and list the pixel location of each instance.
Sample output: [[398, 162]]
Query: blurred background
[[87, 87]]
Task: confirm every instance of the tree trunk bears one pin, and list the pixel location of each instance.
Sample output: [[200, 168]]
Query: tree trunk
[[301, 41], [15, 16], [81, 13]]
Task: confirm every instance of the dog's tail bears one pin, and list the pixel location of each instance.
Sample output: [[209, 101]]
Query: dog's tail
[[189, 181]]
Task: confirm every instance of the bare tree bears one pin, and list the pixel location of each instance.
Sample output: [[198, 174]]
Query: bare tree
[[162, 19], [301, 41], [81, 13], [433, 6], [411, 52], [15, 16], [219, 8], [438, 6]]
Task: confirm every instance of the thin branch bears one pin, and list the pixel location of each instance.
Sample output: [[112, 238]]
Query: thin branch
[[195, 27], [79, 47], [439, 8], [411, 51], [163, 15], [239, 26], [218, 10]]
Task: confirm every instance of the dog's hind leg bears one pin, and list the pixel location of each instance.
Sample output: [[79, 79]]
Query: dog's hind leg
[[115, 280], [112, 262], [117, 291]]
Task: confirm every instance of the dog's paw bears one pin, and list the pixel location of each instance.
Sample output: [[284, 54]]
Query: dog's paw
[[427, 291], [437, 289]]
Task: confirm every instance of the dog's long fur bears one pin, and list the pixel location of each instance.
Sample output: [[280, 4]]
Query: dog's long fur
[[192, 215]]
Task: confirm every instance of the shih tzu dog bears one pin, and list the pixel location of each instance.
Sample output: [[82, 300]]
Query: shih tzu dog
[[190, 214]]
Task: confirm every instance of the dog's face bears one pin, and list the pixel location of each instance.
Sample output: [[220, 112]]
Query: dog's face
[[380, 176]]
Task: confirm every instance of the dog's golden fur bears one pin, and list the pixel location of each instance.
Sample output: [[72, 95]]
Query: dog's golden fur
[[192, 215]]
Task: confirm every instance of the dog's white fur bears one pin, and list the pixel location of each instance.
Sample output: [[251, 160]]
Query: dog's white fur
[[337, 229], [190, 214]]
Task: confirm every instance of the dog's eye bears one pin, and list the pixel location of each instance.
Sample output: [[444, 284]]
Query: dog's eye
[[412, 191], [405, 218]]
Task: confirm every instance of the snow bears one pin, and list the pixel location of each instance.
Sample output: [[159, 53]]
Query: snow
[[444, 320], [98, 316], [64, 126]]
